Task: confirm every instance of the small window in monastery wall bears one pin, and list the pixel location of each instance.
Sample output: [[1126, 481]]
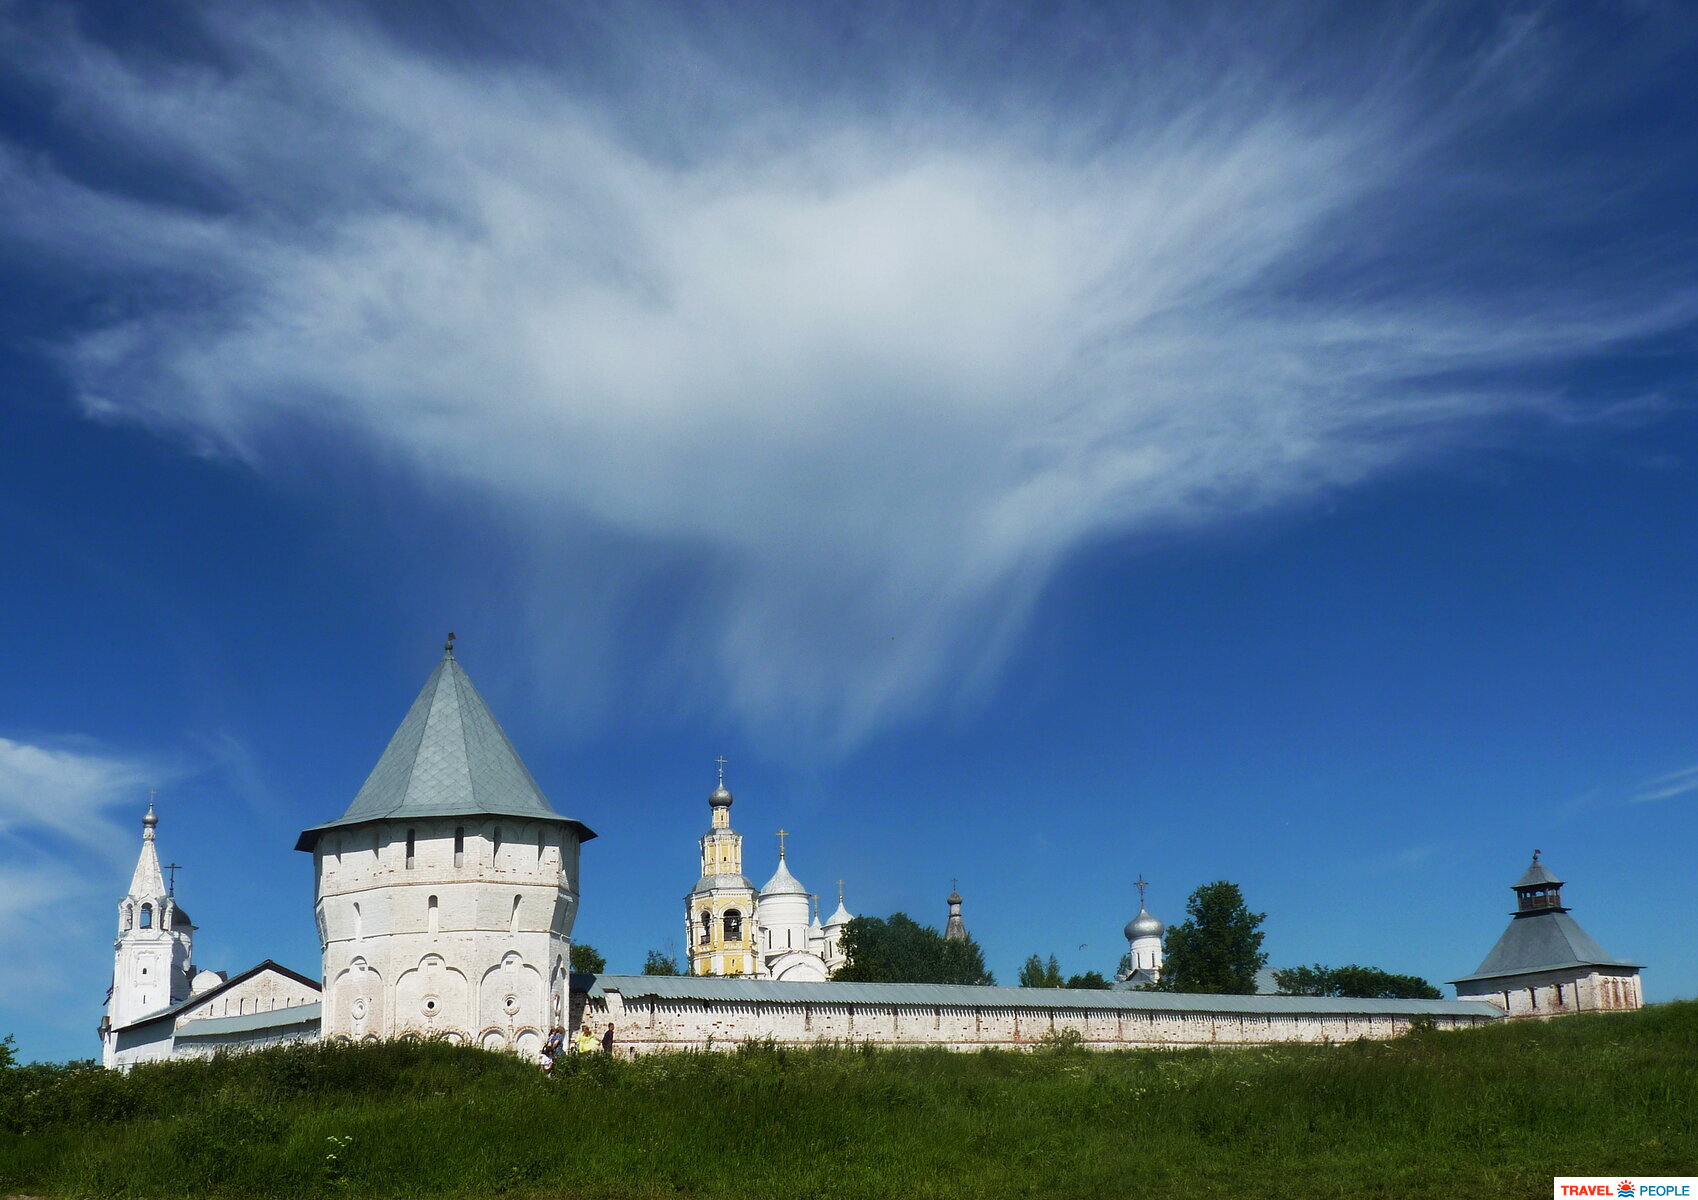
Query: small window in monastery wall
[[431, 917], [1559, 995], [539, 847], [513, 920], [1533, 997], [459, 845], [359, 922], [497, 851], [409, 849]]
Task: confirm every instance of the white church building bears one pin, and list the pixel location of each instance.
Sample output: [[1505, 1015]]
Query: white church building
[[445, 898], [774, 933]]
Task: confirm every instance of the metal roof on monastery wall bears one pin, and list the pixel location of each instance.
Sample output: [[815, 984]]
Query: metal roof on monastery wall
[[277, 1018], [449, 758], [1550, 940], [942, 995]]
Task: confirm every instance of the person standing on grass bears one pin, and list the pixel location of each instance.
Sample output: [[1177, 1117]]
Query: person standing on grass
[[607, 1039], [552, 1048], [585, 1043]]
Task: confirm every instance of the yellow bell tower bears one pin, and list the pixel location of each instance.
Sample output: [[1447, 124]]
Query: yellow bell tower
[[719, 912]]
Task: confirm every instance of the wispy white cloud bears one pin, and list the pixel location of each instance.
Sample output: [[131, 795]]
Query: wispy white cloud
[[873, 364], [59, 851], [66, 791], [1667, 787]]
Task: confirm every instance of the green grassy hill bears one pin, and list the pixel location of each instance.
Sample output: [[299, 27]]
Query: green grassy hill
[[1487, 1112]]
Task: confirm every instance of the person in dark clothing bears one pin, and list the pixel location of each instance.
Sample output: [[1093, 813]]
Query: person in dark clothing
[[607, 1039]]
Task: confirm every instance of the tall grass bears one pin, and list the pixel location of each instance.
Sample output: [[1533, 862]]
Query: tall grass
[[1487, 1112]]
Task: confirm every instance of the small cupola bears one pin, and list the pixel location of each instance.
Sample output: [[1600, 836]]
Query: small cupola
[[1538, 890]]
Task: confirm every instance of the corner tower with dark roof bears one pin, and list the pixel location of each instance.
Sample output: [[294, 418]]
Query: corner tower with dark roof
[[1545, 965], [448, 889]]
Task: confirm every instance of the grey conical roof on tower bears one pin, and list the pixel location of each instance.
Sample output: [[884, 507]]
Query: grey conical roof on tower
[[449, 758]]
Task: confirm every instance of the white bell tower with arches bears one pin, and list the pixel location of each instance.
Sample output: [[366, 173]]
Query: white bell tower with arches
[[152, 954]]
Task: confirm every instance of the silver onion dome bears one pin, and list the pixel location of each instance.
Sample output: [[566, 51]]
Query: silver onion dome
[[1144, 925], [721, 797]]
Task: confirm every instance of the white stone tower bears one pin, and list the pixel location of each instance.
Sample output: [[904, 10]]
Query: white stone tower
[[151, 965], [783, 916], [1143, 936], [719, 912], [448, 890]]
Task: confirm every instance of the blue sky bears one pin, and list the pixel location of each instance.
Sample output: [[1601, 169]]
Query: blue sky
[[1033, 449]]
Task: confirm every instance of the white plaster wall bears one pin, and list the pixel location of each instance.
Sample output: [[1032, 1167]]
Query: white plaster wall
[[265, 992], [150, 969], [645, 1024], [472, 947], [1559, 993]]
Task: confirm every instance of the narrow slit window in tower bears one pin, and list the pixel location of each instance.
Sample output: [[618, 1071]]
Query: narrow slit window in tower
[[459, 845], [431, 906], [513, 921], [409, 849]]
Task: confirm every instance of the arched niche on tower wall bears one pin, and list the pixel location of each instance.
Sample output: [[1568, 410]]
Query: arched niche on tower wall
[[356, 1001], [557, 991], [511, 996], [431, 998]]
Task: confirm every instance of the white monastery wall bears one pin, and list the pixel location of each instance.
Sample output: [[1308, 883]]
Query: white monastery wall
[[646, 1024]]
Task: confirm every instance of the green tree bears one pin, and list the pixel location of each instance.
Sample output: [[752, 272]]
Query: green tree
[[658, 963], [898, 949], [587, 959], [1218, 950], [1356, 982], [1090, 979], [1038, 974]]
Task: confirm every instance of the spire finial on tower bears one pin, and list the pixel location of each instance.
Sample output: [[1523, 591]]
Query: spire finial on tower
[[448, 646], [839, 893], [1141, 883], [721, 760], [782, 834], [149, 820], [1536, 854]]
